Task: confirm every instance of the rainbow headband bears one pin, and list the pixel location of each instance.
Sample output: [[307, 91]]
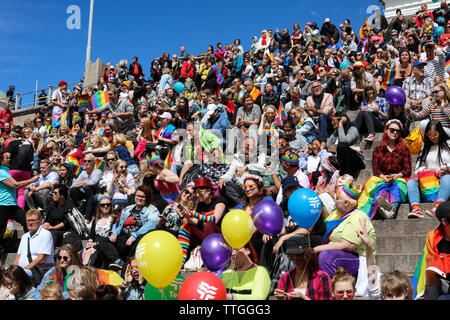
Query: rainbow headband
[[154, 158], [103, 196]]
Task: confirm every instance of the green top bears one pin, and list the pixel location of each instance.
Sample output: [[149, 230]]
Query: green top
[[255, 280]]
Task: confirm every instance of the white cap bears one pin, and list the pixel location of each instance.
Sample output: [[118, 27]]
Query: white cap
[[327, 20], [210, 109]]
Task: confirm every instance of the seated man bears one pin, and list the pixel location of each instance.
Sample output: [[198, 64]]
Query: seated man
[[86, 186], [36, 246], [37, 194]]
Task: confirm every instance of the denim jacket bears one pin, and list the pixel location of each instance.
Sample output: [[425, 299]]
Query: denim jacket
[[149, 216]]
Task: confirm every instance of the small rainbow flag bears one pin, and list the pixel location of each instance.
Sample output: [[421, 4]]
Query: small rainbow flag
[[99, 99], [121, 188], [84, 101], [282, 112], [72, 160], [100, 164], [109, 277], [388, 78], [447, 66], [77, 170], [99, 131], [168, 161], [142, 100]]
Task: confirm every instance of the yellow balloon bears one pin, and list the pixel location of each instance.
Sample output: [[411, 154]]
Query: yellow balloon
[[159, 258], [237, 228]]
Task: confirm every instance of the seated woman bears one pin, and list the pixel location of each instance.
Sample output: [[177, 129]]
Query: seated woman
[[18, 282], [305, 281], [122, 185], [346, 139], [398, 112], [67, 256], [124, 152], [391, 164], [432, 162], [313, 156], [108, 171], [254, 192], [372, 114], [213, 167], [162, 179], [343, 285], [135, 221], [268, 127], [66, 174], [248, 280], [100, 232], [342, 247]]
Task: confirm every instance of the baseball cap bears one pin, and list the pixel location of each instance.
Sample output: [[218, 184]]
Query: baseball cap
[[418, 63], [298, 243], [327, 20], [443, 211], [166, 115], [289, 181], [210, 109]]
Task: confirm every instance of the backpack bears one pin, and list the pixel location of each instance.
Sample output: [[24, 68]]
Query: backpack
[[25, 155]]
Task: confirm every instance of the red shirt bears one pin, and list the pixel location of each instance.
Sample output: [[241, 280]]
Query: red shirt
[[385, 162], [6, 116]]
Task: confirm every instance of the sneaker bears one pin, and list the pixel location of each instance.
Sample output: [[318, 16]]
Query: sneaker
[[431, 212], [117, 265], [386, 210], [415, 213], [371, 137]]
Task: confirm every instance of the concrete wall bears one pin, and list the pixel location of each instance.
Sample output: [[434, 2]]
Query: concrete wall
[[409, 8]]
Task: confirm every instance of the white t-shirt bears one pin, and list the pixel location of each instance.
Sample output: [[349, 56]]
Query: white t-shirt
[[302, 180], [40, 243]]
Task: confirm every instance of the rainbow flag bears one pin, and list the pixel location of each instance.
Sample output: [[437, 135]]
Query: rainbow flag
[[99, 131], [72, 160], [77, 171], [100, 164], [168, 160], [84, 102], [447, 66], [143, 100], [388, 78], [184, 237], [121, 188], [255, 93], [331, 222], [429, 186], [282, 112], [109, 277], [99, 99], [375, 187]]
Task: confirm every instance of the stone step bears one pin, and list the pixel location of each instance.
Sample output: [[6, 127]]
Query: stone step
[[405, 262], [405, 244], [404, 210], [410, 227]]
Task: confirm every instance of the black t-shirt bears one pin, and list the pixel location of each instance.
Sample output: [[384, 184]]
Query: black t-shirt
[[56, 215], [21, 155], [208, 209], [444, 246]]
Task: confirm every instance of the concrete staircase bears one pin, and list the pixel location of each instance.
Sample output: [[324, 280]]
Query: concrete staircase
[[400, 241]]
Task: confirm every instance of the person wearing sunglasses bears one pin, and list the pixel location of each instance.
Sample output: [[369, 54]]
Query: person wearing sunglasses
[[305, 281], [18, 283], [254, 192], [438, 109], [433, 158], [343, 285], [391, 165], [110, 159], [67, 256], [133, 287]]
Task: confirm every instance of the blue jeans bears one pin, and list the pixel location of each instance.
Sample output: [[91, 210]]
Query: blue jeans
[[324, 121], [414, 190]]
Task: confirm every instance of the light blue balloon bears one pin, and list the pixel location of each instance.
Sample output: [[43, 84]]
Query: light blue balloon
[[179, 87], [304, 206], [439, 30], [344, 64]]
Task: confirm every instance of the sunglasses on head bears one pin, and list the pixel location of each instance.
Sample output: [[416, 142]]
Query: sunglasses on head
[[65, 258], [249, 187]]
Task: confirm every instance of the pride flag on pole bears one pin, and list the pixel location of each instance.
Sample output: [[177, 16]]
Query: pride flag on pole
[[99, 99], [168, 160], [84, 102], [282, 112]]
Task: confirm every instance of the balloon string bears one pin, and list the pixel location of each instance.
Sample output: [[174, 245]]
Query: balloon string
[[163, 296]]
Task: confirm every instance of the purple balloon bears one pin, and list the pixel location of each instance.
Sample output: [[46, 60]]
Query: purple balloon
[[395, 95], [268, 217], [215, 252]]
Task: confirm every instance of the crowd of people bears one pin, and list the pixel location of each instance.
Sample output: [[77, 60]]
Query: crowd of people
[[179, 147]]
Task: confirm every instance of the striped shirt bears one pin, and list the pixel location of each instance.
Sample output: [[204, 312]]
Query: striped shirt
[[435, 67], [418, 90], [441, 114]]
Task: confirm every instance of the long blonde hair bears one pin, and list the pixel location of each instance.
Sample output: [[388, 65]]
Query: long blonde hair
[[443, 86]]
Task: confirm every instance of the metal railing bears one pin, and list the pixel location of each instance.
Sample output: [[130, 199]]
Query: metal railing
[[32, 99]]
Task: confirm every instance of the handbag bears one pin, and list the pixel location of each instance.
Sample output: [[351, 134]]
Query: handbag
[[414, 141], [195, 261], [39, 270]]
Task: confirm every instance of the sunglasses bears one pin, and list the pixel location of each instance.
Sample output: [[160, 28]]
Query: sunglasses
[[436, 91], [340, 295], [134, 269], [250, 187], [88, 161], [433, 135], [395, 130], [187, 192], [282, 144], [315, 146], [105, 205], [248, 146], [109, 160], [65, 258]]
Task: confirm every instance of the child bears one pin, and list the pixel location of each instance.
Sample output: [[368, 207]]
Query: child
[[51, 291], [343, 285]]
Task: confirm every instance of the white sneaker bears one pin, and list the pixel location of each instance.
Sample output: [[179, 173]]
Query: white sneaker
[[386, 210]]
